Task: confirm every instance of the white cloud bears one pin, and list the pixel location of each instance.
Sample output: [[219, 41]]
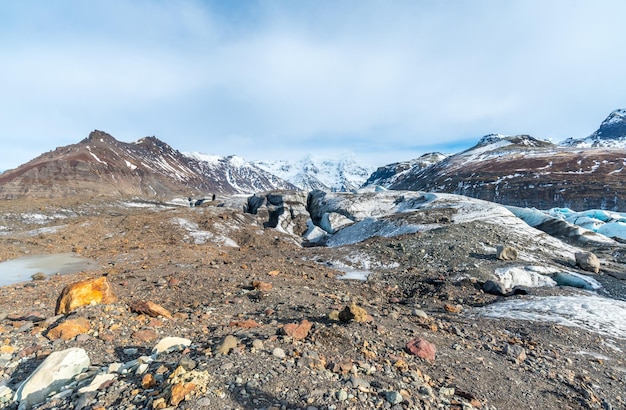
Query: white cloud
[[221, 76]]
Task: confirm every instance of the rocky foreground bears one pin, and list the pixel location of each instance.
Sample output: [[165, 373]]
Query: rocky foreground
[[213, 308]]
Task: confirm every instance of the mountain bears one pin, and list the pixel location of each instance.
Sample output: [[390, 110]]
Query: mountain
[[528, 172], [385, 176], [100, 165], [309, 173], [611, 134]]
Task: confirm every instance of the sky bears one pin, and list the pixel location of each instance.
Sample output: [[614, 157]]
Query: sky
[[385, 80]]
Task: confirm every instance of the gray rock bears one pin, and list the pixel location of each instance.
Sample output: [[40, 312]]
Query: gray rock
[[56, 371], [506, 253], [393, 397], [170, 344], [587, 261], [495, 288], [517, 352], [342, 395], [278, 352], [97, 382]]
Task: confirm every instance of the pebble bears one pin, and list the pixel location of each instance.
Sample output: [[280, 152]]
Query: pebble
[[278, 352], [257, 344], [419, 313], [342, 395], [393, 397]]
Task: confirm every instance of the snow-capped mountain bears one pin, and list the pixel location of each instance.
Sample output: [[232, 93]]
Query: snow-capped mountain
[[528, 172], [100, 165], [309, 173], [611, 134], [389, 174]]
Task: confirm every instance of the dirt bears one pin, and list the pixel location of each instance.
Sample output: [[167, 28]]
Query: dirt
[[426, 285]]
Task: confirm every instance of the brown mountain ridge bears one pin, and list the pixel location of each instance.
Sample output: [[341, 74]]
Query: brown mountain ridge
[[100, 165]]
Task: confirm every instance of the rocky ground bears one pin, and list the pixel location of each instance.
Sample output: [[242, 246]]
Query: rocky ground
[[261, 313]]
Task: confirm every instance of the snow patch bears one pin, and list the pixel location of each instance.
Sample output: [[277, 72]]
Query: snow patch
[[590, 312]]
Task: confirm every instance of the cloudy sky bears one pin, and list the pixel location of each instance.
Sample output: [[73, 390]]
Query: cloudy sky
[[385, 80]]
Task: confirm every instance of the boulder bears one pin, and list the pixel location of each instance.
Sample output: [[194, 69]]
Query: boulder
[[506, 253], [85, 292], [56, 371], [587, 261]]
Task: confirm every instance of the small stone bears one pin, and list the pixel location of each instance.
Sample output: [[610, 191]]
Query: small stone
[[229, 342], [148, 381], [69, 329], [145, 335], [353, 312], [393, 397], [170, 344], [298, 331], [179, 391], [506, 253], [97, 381], [187, 362], [278, 352], [422, 348], [38, 276], [342, 395], [453, 308], [446, 391], [245, 324], [262, 286], [131, 351], [257, 344], [517, 352], [150, 309], [419, 313]]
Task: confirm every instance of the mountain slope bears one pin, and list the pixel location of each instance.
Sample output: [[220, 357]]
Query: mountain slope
[[524, 171], [100, 165], [310, 173], [385, 176]]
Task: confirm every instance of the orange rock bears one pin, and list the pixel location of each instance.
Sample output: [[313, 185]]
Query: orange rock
[[7, 349], [148, 381], [69, 329], [273, 273], [452, 308], [150, 309], [245, 324], [179, 391], [145, 335], [85, 292], [264, 286], [298, 331]]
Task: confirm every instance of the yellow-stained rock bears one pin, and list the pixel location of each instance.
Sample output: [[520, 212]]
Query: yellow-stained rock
[[353, 312], [85, 292], [179, 391]]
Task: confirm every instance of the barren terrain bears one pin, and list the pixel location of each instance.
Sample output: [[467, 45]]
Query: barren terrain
[[200, 264]]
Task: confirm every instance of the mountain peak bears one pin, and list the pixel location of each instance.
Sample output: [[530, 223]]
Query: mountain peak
[[99, 136], [611, 134]]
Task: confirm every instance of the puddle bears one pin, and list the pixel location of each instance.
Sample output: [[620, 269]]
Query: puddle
[[21, 269], [355, 275]]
